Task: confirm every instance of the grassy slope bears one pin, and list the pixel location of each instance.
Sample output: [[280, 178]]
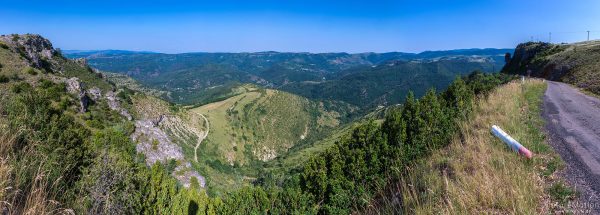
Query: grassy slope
[[15, 68], [296, 157], [586, 73], [21, 192], [263, 123], [576, 63], [478, 173], [253, 126]]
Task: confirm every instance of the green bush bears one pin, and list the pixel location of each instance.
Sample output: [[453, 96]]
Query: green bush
[[30, 71], [561, 193], [21, 87], [350, 173], [15, 37], [3, 45], [125, 95], [63, 153], [4, 79]]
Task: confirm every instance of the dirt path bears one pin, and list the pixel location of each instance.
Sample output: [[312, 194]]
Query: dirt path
[[201, 138], [573, 125]]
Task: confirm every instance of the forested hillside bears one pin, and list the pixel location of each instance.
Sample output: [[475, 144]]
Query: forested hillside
[[389, 83], [201, 77]]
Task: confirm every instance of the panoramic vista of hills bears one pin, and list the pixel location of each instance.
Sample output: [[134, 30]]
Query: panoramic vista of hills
[[334, 122], [202, 77]]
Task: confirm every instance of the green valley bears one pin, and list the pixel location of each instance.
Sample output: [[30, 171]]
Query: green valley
[[374, 78], [230, 141]]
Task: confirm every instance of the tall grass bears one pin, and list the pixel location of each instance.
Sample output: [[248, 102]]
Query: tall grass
[[22, 192], [477, 173]]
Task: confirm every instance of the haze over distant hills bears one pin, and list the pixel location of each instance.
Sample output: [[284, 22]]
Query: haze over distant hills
[[361, 79]]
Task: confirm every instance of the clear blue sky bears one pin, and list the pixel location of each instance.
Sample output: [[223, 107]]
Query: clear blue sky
[[310, 25]]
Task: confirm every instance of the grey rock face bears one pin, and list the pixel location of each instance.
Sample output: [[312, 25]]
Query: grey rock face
[[81, 61], [95, 93], [114, 104], [74, 86], [84, 102], [157, 146], [37, 49]]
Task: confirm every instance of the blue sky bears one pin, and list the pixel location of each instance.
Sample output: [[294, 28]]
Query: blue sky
[[177, 26]]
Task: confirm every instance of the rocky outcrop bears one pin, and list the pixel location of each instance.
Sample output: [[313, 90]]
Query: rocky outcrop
[[95, 93], [574, 63], [35, 48], [158, 120], [74, 86], [81, 61], [114, 104], [156, 145], [532, 59]]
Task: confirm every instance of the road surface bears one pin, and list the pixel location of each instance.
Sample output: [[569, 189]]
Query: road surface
[[573, 125]]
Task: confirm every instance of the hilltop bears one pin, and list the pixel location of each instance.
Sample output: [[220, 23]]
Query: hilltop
[[575, 63], [68, 132]]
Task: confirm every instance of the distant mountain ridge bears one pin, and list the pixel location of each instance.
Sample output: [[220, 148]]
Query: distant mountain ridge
[[192, 78], [105, 51], [372, 57]]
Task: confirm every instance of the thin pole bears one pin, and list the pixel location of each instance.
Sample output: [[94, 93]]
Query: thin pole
[[588, 35]]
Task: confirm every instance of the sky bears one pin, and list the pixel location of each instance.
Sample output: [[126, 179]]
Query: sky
[[177, 26]]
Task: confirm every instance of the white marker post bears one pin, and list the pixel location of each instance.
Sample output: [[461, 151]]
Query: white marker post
[[512, 143]]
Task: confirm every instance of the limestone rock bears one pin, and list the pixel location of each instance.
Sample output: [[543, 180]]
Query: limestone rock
[[158, 147], [35, 48], [95, 93], [74, 86], [81, 61], [114, 104]]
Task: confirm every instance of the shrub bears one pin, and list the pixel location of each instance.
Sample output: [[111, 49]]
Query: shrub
[[125, 95], [3, 79], [561, 193], [63, 153], [155, 145], [15, 76], [30, 71], [95, 123], [351, 172], [3, 45], [21, 87], [15, 37]]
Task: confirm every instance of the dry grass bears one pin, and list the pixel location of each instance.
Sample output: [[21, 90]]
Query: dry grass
[[18, 198], [477, 173]]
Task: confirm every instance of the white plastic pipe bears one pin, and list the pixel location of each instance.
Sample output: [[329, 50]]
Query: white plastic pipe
[[512, 143]]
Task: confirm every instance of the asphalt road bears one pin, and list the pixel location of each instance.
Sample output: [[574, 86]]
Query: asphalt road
[[573, 126]]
